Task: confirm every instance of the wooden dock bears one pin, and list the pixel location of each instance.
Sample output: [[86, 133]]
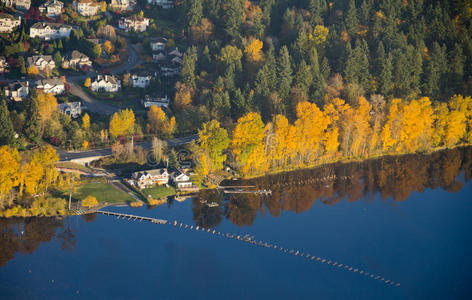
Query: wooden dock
[[131, 217]]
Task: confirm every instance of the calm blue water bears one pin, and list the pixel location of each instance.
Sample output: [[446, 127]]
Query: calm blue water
[[423, 242]]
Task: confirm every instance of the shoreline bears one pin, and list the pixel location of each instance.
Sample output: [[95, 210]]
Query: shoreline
[[346, 161]]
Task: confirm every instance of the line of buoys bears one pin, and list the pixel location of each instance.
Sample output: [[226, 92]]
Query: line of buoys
[[250, 239]]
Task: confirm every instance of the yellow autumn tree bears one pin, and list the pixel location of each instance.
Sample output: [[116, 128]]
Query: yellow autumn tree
[[87, 82], [183, 96], [319, 34], [441, 115], [122, 123], [281, 142], [86, 122], [9, 171], [158, 123], [311, 124], [32, 70], [390, 135], [416, 125], [253, 50], [361, 128], [89, 201], [229, 54], [108, 47], [47, 105], [248, 144]]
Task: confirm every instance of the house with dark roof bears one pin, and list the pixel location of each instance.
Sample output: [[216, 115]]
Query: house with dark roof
[[54, 86], [17, 91], [76, 59], [52, 8], [8, 22], [42, 62], [150, 178], [108, 83], [50, 31], [72, 109]]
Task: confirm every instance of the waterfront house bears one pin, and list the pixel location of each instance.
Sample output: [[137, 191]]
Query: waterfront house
[[140, 79], [108, 83], [54, 86], [72, 109], [17, 91], [180, 179], [50, 31], [133, 23], [87, 8], [52, 8], [166, 4], [44, 63], [8, 22], [76, 60], [157, 100], [150, 178]]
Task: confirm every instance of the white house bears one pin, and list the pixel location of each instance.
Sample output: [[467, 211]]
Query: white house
[[180, 179], [122, 4], [8, 23], [52, 8], [72, 109], [76, 60], [140, 80], [87, 7], [158, 100], [166, 4], [158, 44], [150, 178], [54, 86], [19, 4], [108, 83], [50, 31], [3, 64], [134, 23], [42, 62], [17, 91]]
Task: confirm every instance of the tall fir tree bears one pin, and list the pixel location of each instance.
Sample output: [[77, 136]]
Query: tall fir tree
[[32, 127], [7, 133], [234, 12], [352, 23], [194, 12], [385, 75], [284, 71], [188, 67]]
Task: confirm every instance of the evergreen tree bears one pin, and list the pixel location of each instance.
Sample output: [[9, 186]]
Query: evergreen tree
[[32, 127], [234, 12], [57, 58], [7, 134], [303, 77], [317, 8], [284, 71], [22, 65], [318, 86], [194, 12], [435, 68], [352, 22], [385, 75], [456, 69], [239, 106], [188, 67], [351, 69]]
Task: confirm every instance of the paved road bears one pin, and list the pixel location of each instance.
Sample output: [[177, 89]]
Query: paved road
[[67, 156]]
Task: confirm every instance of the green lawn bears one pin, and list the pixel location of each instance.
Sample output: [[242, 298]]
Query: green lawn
[[104, 192], [159, 192]]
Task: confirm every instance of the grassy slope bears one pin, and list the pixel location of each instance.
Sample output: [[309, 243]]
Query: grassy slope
[[104, 192]]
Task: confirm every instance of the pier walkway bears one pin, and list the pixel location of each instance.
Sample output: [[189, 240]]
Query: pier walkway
[[131, 217]]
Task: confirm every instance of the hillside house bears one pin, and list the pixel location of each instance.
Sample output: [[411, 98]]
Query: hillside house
[[157, 100], [54, 86], [150, 178], [140, 80], [87, 8], [52, 8], [3, 64], [158, 44], [17, 91], [72, 109], [122, 5], [76, 60], [165, 4], [50, 31], [107, 83], [134, 23], [42, 62], [8, 23]]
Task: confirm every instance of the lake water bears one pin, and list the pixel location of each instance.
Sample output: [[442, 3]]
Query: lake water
[[405, 219]]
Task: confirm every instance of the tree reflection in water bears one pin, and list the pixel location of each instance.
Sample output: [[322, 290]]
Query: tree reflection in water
[[393, 177], [25, 235]]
